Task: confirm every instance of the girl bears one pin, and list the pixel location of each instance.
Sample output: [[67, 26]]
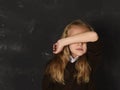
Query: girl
[[74, 61]]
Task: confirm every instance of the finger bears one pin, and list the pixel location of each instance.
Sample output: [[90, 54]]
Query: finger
[[55, 47]]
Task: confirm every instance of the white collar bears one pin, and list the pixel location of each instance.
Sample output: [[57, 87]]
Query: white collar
[[72, 60]]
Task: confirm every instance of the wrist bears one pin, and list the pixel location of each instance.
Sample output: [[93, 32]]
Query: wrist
[[62, 42]]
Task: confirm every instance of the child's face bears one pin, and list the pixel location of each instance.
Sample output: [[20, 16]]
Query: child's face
[[80, 48]]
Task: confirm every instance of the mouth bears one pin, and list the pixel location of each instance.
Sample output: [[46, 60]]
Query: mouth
[[80, 49]]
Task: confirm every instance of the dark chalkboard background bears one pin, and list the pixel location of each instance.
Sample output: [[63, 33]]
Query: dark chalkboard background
[[28, 28]]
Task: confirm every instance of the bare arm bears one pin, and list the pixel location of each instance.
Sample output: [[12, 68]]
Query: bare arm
[[89, 36]]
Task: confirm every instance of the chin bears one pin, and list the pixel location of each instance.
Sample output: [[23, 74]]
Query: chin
[[80, 54]]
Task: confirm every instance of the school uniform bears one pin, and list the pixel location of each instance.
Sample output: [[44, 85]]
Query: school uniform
[[93, 55]]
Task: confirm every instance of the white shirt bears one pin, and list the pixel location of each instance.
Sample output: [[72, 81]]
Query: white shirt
[[72, 60]]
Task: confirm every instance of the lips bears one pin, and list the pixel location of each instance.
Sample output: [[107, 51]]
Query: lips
[[80, 49]]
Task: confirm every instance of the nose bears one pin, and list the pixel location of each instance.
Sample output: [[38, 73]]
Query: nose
[[80, 43]]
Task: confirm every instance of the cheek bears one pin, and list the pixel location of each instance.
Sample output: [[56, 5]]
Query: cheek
[[72, 47], [85, 48]]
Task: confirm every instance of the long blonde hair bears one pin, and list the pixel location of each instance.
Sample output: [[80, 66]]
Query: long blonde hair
[[55, 69]]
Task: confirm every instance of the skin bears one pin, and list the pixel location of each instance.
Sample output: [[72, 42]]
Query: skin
[[76, 36], [78, 48]]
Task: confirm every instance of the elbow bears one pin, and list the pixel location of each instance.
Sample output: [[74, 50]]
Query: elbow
[[95, 36]]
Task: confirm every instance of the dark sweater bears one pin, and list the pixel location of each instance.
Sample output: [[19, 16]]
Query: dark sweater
[[94, 55]]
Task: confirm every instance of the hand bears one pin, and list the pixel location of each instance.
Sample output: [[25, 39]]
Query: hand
[[57, 47]]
